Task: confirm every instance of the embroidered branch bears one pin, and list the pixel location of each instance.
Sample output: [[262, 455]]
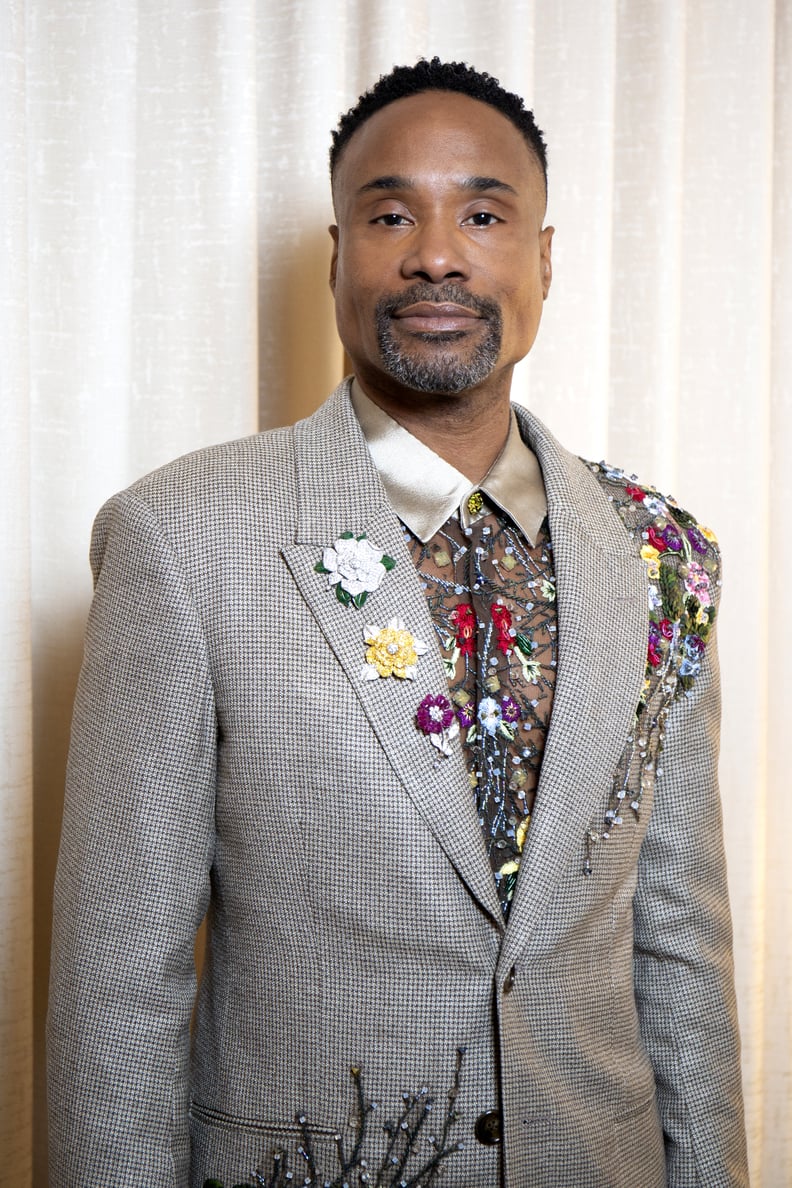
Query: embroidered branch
[[411, 1156]]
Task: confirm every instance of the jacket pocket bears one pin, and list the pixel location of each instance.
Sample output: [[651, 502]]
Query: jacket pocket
[[233, 1149]]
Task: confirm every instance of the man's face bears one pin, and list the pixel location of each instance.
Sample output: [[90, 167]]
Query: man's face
[[440, 264]]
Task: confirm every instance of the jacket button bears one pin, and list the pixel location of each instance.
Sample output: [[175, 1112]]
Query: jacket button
[[508, 981], [488, 1128]]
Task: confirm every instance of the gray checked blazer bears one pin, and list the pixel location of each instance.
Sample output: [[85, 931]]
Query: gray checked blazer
[[228, 758]]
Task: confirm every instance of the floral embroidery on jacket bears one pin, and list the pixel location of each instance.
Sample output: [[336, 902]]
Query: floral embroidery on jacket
[[436, 719], [392, 651], [354, 568], [683, 575]]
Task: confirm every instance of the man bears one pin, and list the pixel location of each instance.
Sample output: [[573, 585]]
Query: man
[[423, 710]]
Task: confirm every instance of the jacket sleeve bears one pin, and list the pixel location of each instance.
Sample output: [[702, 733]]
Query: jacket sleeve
[[133, 872], [683, 964]]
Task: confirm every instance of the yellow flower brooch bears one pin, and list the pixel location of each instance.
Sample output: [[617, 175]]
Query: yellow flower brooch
[[392, 651]]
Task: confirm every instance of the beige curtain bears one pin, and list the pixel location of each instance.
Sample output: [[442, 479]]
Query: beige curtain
[[163, 211]]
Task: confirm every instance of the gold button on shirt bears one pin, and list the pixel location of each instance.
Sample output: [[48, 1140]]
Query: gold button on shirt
[[485, 560]]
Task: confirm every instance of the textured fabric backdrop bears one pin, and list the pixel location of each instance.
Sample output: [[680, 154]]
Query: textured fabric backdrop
[[163, 209]]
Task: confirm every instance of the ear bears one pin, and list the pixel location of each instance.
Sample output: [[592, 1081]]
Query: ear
[[334, 258], [545, 259]]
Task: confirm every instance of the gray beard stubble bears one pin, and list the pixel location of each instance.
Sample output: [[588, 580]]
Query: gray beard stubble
[[444, 372]]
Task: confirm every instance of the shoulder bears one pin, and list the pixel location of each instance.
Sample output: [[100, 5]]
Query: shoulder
[[263, 464], [683, 567], [231, 465], [238, 490], [656, 521]]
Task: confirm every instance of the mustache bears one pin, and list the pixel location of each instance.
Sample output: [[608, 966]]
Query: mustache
[[455, 294]]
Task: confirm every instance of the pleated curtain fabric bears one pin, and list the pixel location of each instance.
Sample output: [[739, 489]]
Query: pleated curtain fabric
[[164, 201]]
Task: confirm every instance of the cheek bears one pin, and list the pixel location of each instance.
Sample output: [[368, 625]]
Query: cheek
[[521, 317], [354, 309], [525, 305]]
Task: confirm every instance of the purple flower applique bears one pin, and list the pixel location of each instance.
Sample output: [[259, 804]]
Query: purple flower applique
[[672, 538], [510, 710], [697, 540], [654, 656], [466, 715], [435, 718]]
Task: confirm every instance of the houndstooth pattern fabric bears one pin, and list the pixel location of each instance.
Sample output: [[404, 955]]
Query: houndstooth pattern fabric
[[227, 756]]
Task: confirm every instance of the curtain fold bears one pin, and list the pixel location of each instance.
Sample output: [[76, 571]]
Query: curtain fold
[[16, 769], [164, 204]]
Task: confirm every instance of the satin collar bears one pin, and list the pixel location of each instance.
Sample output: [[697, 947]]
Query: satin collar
[[424, 489]]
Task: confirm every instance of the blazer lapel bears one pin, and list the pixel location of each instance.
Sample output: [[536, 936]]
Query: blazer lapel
[[602, 640], [339, 490]]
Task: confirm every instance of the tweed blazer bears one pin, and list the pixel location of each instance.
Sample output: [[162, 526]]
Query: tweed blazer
[[228, 758]]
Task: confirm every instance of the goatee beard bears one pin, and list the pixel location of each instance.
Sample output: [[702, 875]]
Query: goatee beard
[[446, 371]]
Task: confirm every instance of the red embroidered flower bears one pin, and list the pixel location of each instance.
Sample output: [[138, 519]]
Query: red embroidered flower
[[635, 493], [653, 651], [502, 621], [464, 621], [653, 655], [656, 539], [666, 628]]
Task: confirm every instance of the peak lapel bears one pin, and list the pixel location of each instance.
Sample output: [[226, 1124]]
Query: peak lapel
[[339, 490], [602, 640]]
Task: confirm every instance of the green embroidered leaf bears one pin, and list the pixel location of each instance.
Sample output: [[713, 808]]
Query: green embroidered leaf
[[450, 662], [343, 596], [471, 734], [523, 643], [359, 599], [706, 624], [349, 536], [684, 518], [532, 669], [388, 562], [507, 731], [320, 568], [692, 606], [670, 595]]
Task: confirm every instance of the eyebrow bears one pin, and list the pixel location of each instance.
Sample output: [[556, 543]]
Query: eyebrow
[[477, 184]]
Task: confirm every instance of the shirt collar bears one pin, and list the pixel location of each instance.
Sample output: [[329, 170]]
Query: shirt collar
[[424, 489]]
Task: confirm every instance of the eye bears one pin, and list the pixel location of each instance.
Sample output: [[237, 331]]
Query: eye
[[392, 219], [481, 218]]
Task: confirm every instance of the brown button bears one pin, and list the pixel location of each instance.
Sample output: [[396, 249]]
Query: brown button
[[488, 1128], [508, 981]]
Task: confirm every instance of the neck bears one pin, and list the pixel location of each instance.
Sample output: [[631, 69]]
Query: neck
[[467, 430]]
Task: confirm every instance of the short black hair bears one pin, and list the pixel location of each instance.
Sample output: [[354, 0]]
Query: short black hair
[[435, 75]]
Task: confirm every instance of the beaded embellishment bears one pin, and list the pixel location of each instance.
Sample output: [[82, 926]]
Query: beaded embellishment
[[683, 574], [419, 1141]]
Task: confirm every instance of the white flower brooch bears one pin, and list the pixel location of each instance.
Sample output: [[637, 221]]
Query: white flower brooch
[[354, 568]]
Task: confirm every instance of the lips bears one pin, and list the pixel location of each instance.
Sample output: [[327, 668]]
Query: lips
[[429, 317]]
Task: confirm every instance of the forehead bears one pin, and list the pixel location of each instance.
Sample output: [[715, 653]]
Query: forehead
[[438, 134]]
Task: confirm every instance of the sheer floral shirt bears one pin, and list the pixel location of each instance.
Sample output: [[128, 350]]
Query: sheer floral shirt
[[485, 560]]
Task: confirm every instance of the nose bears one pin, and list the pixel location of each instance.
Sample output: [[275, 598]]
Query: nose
[[436, 253]]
